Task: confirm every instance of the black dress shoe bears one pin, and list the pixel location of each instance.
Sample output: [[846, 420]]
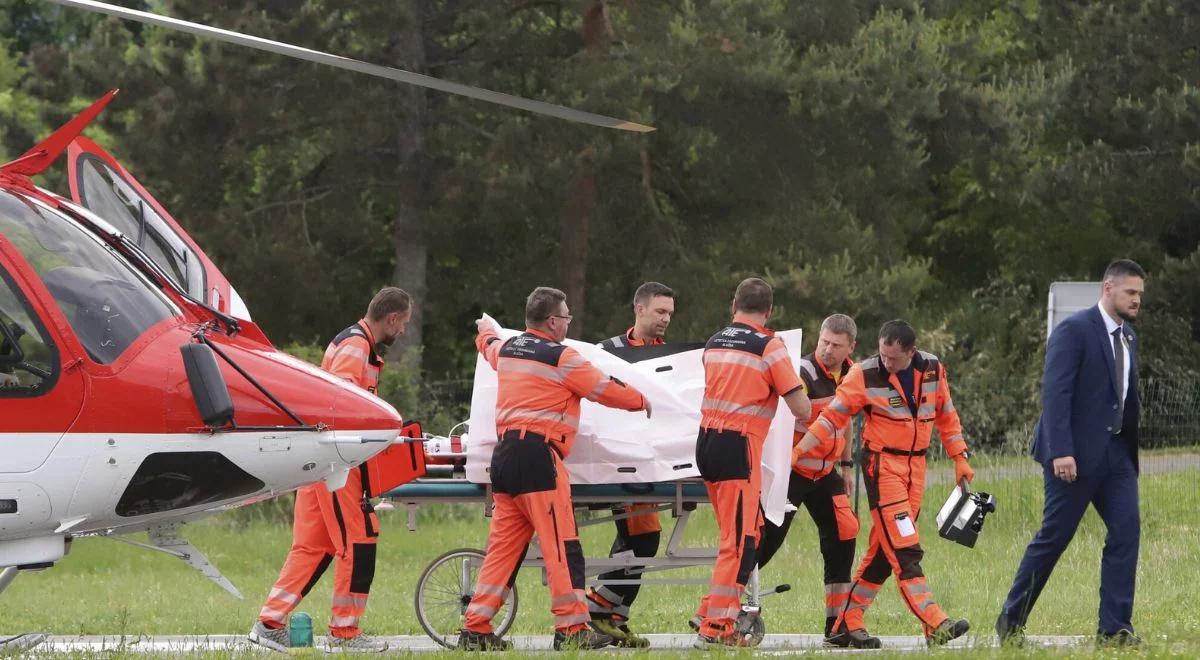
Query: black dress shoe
[[1122, 637], [1010, 634]]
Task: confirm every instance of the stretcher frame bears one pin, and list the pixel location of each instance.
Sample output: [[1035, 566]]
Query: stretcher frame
[[680, 498]]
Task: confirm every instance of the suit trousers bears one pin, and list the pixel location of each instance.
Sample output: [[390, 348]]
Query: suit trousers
[[1113, 490]]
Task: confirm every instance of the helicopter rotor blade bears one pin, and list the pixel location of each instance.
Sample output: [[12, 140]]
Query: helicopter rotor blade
[[390, 73]]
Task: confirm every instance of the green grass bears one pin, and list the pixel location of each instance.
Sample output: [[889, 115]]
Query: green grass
[[105, 587]]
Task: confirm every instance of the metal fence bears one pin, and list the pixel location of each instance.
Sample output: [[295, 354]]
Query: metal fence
[[1170, 412]]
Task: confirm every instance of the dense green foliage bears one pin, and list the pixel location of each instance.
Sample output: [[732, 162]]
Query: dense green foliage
[[940, 161]]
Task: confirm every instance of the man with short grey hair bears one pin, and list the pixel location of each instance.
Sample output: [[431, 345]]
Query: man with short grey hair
[[815, 481]]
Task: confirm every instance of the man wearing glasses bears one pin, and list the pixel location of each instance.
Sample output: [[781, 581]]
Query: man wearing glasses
[[537, 416]]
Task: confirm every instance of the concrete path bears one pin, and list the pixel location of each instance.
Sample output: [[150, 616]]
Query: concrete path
[[772, 644]]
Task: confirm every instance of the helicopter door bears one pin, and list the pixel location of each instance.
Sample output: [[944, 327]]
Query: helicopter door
[[41, 387], [100, 184]]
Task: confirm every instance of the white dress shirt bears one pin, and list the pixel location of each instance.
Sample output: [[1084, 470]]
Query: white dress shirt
[[1111, 324]]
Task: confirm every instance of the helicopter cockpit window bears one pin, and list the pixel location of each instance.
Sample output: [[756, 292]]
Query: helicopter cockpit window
[[109, 196], [28, 362], [107, 303]]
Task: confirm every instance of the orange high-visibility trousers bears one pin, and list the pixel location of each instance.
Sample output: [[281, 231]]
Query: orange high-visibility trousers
[[339, 528], [532, 494], [731, 465], [894, 485]]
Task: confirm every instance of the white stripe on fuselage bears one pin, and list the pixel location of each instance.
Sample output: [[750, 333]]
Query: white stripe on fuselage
[[86, 473]]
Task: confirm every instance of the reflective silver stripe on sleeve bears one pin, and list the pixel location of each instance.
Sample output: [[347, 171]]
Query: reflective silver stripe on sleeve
[[598, 389], [777, 355]]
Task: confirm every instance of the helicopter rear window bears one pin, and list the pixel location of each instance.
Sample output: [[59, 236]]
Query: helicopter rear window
[[105, 193], [108, 304]]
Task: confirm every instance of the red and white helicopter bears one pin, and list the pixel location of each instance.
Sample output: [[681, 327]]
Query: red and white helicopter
[[129, 400], [135, 392]]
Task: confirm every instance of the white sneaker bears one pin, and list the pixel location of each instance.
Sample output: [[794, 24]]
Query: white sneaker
[[360, 643], [275, 639]]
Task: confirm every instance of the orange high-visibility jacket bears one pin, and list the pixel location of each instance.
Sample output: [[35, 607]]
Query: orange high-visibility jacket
[[351, 355], [820, 386], [621, 341], [890, 424], [541, 382], [746, 370]]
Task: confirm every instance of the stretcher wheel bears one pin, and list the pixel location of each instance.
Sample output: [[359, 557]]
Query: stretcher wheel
[[751, 626], [444, 590]]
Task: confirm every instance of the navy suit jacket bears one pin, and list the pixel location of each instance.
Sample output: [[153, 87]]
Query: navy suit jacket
[[1079, 394]]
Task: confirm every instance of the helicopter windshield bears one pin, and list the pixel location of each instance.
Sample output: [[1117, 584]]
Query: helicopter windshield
[[108, 304], [108, 195]]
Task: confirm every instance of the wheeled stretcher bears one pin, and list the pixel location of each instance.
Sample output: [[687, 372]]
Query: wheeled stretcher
[[445, 587]]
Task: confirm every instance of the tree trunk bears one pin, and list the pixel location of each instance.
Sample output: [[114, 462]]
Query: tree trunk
[[573, 229], [409, 235], [576, 219]]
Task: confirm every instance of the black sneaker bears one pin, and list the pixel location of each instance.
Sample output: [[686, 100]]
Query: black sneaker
[[853, 639], [469, 640], [694, 623], [1120, 638], [946, 631], [585, 639]]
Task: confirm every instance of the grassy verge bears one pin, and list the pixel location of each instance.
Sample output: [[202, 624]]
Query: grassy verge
[[104, 587]]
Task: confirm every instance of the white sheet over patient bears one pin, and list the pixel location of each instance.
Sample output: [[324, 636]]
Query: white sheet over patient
[[616, 446]]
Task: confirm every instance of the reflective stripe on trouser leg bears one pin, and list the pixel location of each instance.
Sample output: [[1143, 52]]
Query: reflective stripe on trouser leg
[[553, 519], [736, 507], [508, 539], [837, 596], [861, 595], [604, 602], [900, 543], [354, 569], [310, 555], [920, 600]]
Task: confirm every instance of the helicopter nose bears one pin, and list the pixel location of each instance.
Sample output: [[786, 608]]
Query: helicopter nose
[[363, 415]]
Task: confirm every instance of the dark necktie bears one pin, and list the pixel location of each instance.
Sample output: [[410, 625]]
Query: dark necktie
[[1119, 362]]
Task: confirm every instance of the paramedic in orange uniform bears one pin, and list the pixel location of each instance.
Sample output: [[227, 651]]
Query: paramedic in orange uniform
[[815, 483], [746, 370], [640, 533], [541, 382], [905, 395], [339, 527]]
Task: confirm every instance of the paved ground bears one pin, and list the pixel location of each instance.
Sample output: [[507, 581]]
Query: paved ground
[[414, 643]]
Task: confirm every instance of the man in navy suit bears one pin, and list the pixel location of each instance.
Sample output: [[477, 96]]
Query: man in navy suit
[[1087, 443]]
